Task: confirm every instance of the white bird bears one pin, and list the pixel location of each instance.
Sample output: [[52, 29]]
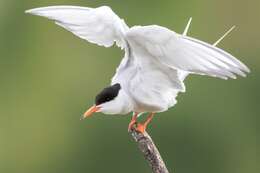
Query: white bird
[[156, 61]]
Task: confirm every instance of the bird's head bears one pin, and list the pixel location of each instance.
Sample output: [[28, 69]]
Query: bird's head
[[111, 100]]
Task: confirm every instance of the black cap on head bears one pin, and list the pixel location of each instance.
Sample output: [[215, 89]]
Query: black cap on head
[[108, 94]]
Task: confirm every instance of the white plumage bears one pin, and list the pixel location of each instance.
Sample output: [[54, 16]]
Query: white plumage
[[156, 60]]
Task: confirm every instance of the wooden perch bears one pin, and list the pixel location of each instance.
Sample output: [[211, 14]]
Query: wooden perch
[[150, 152]]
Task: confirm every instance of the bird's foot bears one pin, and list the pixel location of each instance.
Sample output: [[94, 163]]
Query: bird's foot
[[141, 127], [131, 125], [132, 122]]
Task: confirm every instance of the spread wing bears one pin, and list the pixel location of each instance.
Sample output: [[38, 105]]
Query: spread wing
[[183, 52], [96, 25]]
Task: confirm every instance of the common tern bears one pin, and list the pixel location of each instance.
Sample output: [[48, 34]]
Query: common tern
[[155, 64]]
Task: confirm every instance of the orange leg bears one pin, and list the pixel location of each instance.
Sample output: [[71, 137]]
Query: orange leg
[[133, 121], [142, 127]]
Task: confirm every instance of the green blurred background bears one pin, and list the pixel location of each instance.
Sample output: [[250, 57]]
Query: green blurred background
[[49, 78]]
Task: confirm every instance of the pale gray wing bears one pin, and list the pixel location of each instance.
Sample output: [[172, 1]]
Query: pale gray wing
[[96, 25], [183, 52]]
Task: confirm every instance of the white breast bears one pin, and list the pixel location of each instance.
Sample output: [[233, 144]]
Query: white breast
[[151, 86]]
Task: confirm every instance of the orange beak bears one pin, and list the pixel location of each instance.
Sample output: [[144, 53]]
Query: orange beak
[[90, 112]]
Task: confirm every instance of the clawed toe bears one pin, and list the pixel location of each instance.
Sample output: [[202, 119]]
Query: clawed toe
[[140, 128], [131, 126]]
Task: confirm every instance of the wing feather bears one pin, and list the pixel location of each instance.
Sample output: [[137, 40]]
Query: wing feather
[[184, 53], [96, 25]]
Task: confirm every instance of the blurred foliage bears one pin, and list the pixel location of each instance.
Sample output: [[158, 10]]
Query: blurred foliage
[[49, 78]]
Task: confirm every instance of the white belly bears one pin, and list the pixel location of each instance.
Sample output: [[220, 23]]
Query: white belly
[[151, 86], [154, 90]]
